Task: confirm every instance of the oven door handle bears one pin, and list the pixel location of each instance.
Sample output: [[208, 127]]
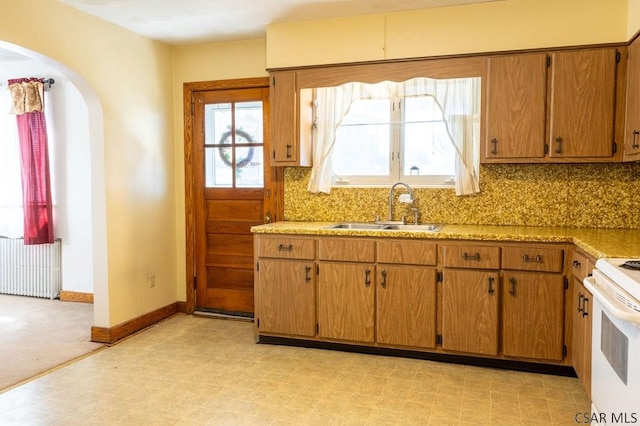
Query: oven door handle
[[616, 308]]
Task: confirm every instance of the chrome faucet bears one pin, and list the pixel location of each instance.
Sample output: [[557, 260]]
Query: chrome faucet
[[391, 197]]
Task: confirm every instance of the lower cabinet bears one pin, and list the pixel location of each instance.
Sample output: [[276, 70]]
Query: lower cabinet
[[470, 311], [346, 301], [287, 297], [533, 315], [406, 306]]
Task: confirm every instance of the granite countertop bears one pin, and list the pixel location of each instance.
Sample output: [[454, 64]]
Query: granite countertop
[[597, 242]]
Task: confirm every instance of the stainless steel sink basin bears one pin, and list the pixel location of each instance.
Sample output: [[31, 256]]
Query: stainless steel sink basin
[[426, 227], [353, 225]]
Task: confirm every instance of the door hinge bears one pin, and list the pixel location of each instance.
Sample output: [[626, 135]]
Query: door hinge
[[195, 282], [317, 328], [193, 108], [317, 269], [258, 323], [274, 154], [438, 339], [564, 350], [546, 149], [566, 283], [548, 61], [273, 81], [438, 276], [617, 57], [614, 148], [257, 266]]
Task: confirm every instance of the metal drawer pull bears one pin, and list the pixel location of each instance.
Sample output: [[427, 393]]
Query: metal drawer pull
[[559, 149], [367, 279], [512, 291], [584, 309], [384, 279], [634, 144], [282, 247], [490, 280], [494, 141], [580, 302], [537, 259], [289, 150], [467, 256], [307, 270]]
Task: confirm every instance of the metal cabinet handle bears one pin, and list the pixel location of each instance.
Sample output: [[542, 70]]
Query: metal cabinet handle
[[289, 150], [467, 256], [490, 281], [634, 144], [494, 151], [282, 247], [537, 258], [512, 290], [384, 279], [580, 302], [307, 276], [559, 141], [367, 277], [584, 309]]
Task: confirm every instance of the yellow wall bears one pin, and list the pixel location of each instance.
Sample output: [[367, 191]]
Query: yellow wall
[[633, 25], [482, 27], [131, 76], [206, 62]]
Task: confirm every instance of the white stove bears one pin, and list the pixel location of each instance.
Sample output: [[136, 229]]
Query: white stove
[[615, 356]]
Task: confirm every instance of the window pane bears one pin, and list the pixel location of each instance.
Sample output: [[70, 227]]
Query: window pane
[[218, 171], [249, 122], [428, 149], [362, 141], [217, 121], [249, 167]]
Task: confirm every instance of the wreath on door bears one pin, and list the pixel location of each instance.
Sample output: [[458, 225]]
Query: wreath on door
[[224, 152]]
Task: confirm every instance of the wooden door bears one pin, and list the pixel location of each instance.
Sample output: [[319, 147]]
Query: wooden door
[[346, 300], [406, 306], [582, 103], [632, 132], [232, 180], [470, 311], [533, 315], [287, 295], [516, 106]]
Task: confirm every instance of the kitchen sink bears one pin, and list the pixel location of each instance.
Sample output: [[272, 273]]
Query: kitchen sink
[[426, 227], [353, 225]]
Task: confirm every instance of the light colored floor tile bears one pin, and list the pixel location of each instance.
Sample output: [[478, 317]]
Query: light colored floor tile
[[201, 371]]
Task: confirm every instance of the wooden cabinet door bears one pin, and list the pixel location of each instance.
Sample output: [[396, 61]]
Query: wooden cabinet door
[[632, 132], [346, 300], [283, 93], [406, 306], [533, 315], [581, 338], [582, 103], [286, 297], [516, 107], [470, 311]]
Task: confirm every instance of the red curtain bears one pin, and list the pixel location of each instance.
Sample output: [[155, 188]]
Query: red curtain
[[36, 185]]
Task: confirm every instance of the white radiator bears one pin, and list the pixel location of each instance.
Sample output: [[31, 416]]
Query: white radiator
[[30, 270]]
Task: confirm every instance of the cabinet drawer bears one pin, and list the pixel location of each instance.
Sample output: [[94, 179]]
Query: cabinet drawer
[[286, 248], [346, 250], [478, 257], [532, 259], [407, 252], [581, 265]]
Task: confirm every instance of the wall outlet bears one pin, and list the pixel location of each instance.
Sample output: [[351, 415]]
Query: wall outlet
[[151, 280]]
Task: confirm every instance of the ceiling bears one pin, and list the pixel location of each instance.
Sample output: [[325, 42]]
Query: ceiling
[[180, 22]]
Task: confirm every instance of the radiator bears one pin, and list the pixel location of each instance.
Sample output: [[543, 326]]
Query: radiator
[[33, 270]]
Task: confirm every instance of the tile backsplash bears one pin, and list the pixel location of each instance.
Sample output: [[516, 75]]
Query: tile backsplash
[[580, 195]]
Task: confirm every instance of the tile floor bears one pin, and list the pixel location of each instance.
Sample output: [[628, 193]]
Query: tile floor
[[200, 371]]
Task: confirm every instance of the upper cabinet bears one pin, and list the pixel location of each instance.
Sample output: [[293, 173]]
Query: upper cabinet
[[582, 103], [516, 106], [285, 121], [562, 106], [632, 131]]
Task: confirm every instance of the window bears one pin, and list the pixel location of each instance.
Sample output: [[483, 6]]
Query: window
[[421, 131]]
